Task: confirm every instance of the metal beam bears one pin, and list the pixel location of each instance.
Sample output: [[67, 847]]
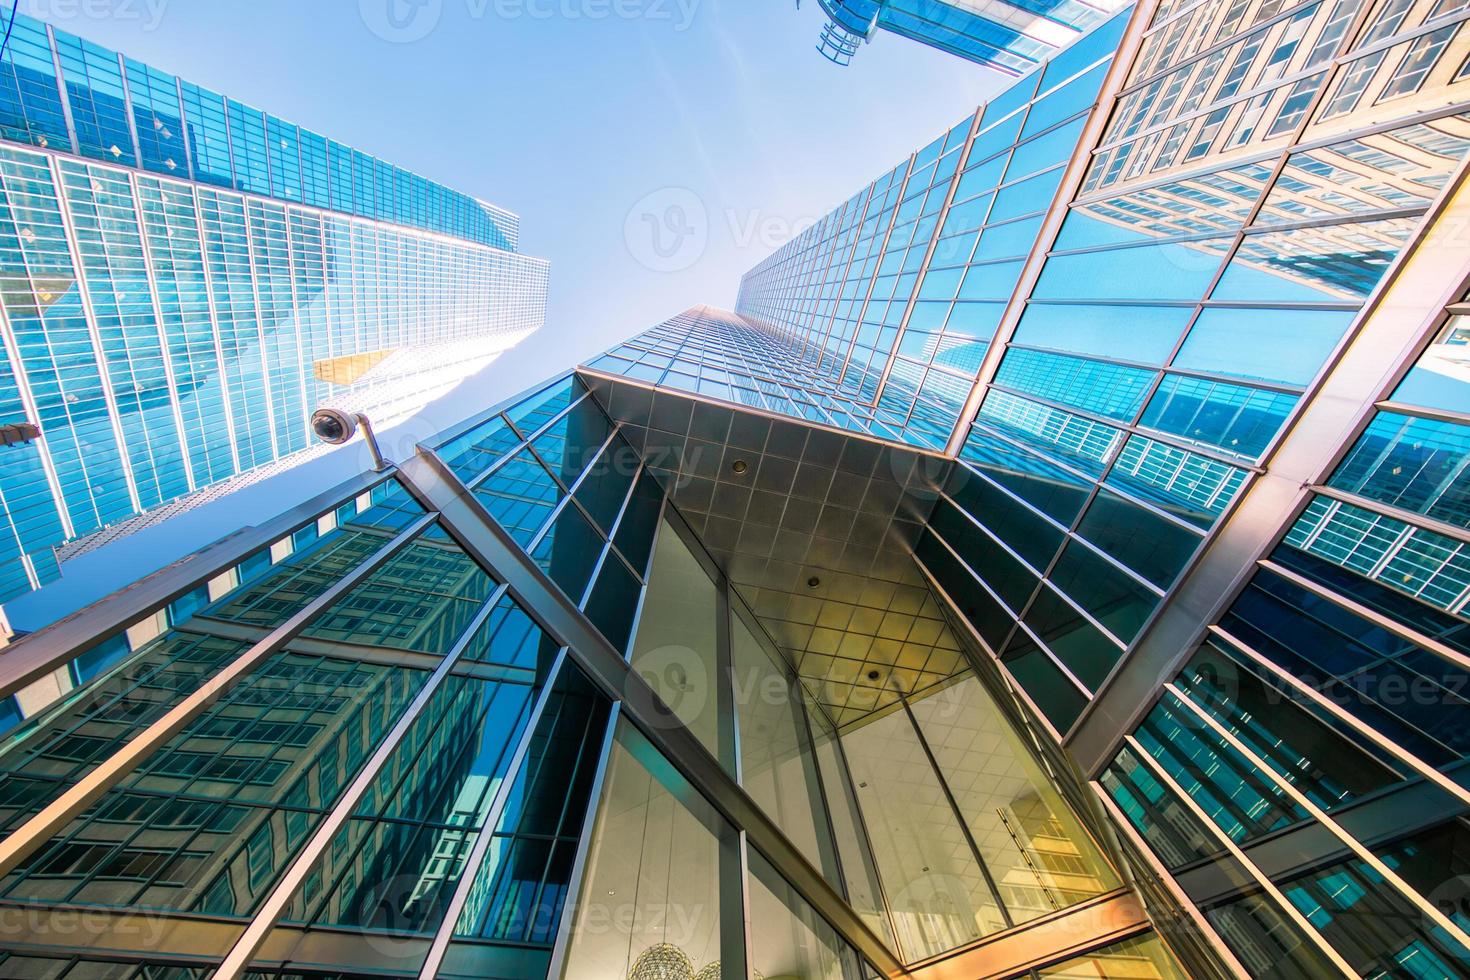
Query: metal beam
[[1062, 936], [467, 521], [1051, 223], [45, 825], [1390, 335], [36, 655]]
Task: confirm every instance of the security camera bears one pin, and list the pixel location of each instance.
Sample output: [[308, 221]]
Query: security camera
[[334, 426]]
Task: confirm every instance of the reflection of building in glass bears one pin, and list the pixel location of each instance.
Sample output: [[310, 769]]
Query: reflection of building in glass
[[1056, 566], [1007, 37], [187, 278]]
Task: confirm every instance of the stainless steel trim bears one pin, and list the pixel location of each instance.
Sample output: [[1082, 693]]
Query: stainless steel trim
[[1425, 908], [561, 946], [1430, 273], [237, 960], [1051, 224], [463, 517], [44, 650], [1123, 825], [476, 858], [1282, 902]]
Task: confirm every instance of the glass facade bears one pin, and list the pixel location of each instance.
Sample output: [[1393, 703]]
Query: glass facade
[[386, 739], [1055, 567], [1004, 37], [185, 279]]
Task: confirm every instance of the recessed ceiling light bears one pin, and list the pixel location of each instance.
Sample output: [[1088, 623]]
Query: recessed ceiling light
[[739, 466], [813, 582]]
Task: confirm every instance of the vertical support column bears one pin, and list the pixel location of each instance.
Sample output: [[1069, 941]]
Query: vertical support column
[[122, 71], [734, 906], [71, 124]]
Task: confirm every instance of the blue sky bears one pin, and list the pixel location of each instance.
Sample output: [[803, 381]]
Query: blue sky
[[715, 117], [576, 113]]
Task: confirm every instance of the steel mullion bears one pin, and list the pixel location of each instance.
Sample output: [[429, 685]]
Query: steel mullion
[[959, 816], [1166, 878], [274, 905], [465, 519], [1427, 909], [1067, 189], [565, 933], [475, 860], [1392, 748], [1283, 903], [44, 825]]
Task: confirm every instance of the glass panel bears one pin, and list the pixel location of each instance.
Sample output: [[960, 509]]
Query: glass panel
[[480, 448], [1113, 390], [208, 821], [613, 602], [1187, 485], [420, 599], [1162, 820], [859, 874], [1155, 548], [1143, 958], [1145, 334], [787, 938], [1235, 418], [1327, 765], [936, 890], [1440, 379], [651, 894], [569, 550], [675, 649], [777, 766], [1074, 641], [520, 890], [312, 565], [1335, 264], [1402, 690], [1375, 928], [1287, 346], [1037, 852], [1054, 695], [520, 495], [395, 865], [1241, 800], [1270, 945], [1114, 598], [1414, 463]]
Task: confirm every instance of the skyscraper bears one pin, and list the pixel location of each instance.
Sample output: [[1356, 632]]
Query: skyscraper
[[1007, 37], [1054, 567], [185, 278]]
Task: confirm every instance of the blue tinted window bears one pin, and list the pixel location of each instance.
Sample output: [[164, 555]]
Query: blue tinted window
[[1146, 334], [1235, 418], [30, 99], [1287, 346], [94, 88], [1417, 464], [1112, 390]]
